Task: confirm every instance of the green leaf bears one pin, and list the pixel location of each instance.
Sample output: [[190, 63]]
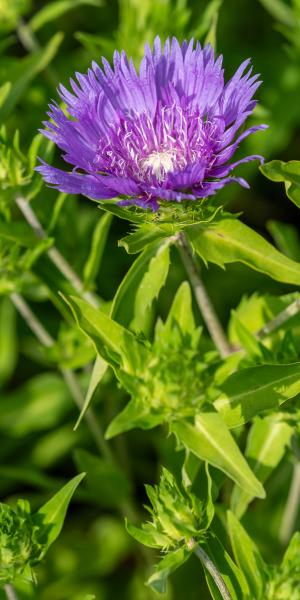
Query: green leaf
[[231, 574], [181, 311], [50, 517], [4, 91], [106, 482], [99, 370], [253, 347], [150, 286], [148, 536], [247, 556], [251, 391], [266, 445], [8, 347], [54, 10], [122, 309], [210, 440], [106, 333], [280, 11], [286, 238], [29, 68], [289, 173], [146, 234], [99, 238], [207, 18], [170, 563], [39, 404], [135, 414], [230, 240]]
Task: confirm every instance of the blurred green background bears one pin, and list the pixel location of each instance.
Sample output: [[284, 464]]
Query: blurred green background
[[39, 450]]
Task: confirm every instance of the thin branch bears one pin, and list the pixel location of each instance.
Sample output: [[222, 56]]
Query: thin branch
[[291, 508], [53, 253], [46, 340], [212, 569], [207, 310], [281, 318], [10, 592]]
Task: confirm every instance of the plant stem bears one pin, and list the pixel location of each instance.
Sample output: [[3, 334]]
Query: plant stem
[[291, 508], [281, 318], [47, 341], [10, 592], [55, 256], [207, 310], [212, 569]]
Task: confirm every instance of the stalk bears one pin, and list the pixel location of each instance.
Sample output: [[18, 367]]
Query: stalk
[[53, 253], [205, 305], [10, 592], [282, 317], [212, 569]]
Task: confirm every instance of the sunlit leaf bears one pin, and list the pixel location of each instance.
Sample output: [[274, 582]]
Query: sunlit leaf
[[230, 240], [211, 441], [289, 173], [267, 442], [247, 556], [251, 391], [50, 517]]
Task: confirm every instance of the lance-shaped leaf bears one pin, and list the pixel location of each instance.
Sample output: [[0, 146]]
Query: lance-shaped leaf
[[150, 286], [135, 414], [122, 309], [289, 173], [148, 535], [50, 517], [230, 240], [145, 235], [170, 563], [211, 441], [99, 238], [181, 311], [251, 391], [99, 370], [266, 446], [107, 334], [247, 556]]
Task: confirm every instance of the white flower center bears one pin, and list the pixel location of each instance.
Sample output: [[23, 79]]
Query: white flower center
[[160, 163]]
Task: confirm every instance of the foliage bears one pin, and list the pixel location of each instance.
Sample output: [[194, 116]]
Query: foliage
[[107, 365]]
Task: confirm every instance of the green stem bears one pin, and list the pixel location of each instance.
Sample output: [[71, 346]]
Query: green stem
[[53, 253], [282, 317], [206, 308], [212, 569], [10, 592]]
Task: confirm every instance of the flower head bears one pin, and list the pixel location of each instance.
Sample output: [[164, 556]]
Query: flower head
[[164, 133]]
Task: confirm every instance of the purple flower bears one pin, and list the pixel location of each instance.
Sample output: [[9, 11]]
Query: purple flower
[[165, 133]]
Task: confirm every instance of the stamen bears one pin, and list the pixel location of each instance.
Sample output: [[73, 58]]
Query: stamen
[[160, 163]]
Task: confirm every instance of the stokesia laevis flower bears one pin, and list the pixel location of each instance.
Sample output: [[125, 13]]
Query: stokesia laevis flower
[[166, 132]]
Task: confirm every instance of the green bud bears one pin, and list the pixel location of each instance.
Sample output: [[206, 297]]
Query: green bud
[[17, 547], [176, 514]]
